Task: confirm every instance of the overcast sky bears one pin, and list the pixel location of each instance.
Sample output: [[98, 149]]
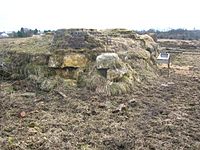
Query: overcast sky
[[101, 14]]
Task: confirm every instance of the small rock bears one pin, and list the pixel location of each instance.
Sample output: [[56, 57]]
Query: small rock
[[28, 94], [170, 83], [120, 108], [102, 105], [164, 85], [108, 104], [132, 103], [32, 131], [22, 114]]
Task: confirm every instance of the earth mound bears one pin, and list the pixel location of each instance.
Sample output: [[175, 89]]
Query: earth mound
[[110, 62]]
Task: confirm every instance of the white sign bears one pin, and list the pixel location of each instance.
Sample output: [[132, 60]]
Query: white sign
[[163, 58]]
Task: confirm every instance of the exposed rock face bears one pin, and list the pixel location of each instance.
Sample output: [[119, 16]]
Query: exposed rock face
[[67, 60], [74, 60], [109, 62]]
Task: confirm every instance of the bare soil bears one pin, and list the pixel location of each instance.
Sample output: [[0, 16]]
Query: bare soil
[[163, 115]]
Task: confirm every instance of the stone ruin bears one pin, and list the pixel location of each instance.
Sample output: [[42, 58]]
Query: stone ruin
[[110, 62]]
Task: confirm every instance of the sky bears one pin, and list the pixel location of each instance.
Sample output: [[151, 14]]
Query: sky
[[100, 14]]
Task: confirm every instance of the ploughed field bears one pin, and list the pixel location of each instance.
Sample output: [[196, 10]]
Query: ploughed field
[[163, 114]]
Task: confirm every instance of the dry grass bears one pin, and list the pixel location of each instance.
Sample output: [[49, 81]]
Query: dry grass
[[36, 44]]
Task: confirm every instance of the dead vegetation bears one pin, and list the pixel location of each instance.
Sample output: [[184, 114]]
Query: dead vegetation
[[162, 115], [31, 45]]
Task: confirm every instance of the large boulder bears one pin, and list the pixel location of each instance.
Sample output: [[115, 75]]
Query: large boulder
[[111, 66], [107, 61]]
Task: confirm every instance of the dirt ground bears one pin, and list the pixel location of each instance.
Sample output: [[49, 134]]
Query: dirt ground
[[163, 115]]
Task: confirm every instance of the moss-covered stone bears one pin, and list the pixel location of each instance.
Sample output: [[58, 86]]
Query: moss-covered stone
[[108, 61]]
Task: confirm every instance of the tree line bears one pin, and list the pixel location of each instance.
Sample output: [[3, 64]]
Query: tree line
[[182, 34], [25, 32]]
